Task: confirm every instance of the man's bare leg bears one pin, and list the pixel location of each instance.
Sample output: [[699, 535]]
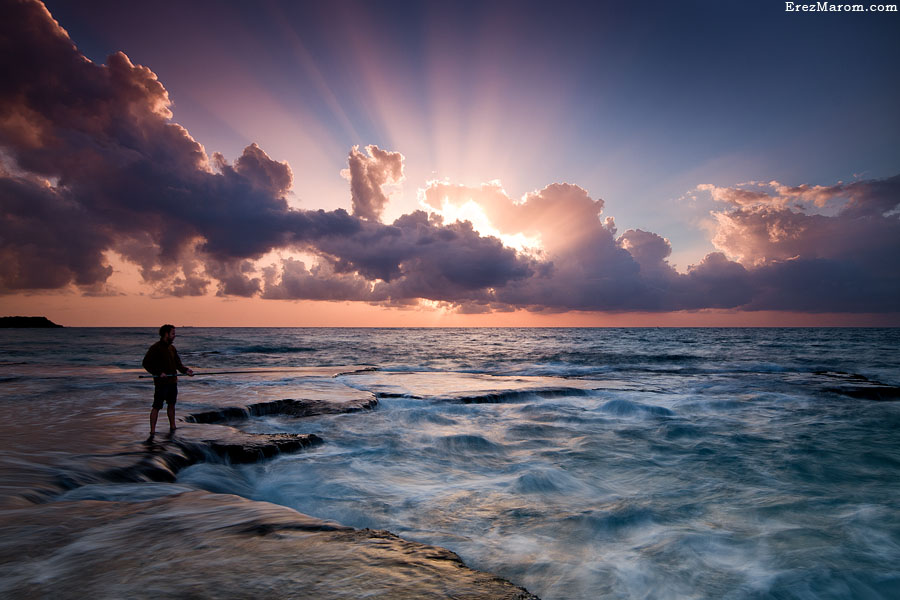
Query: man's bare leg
[[170, 412], [154, 413]]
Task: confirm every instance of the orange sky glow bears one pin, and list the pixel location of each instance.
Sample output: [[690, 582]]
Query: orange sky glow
[[74, 310]]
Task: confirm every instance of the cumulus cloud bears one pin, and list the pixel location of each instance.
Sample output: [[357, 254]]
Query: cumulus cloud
[[650, 251], [863, 227], [91, 163], [799, 261], [739, 196], [256, 166], [368, 174], [562, 216], [782, 257], [292, 280], [414, 257]]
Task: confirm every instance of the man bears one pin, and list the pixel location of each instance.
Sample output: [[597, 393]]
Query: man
[[162, 361]]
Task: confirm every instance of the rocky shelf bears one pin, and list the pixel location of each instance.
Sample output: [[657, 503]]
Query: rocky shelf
[[287, 407], [202, 545], [166, 455], [859, 386], [203, 437], [123, 529]]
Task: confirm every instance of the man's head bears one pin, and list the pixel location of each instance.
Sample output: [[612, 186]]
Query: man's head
[[167, 333]]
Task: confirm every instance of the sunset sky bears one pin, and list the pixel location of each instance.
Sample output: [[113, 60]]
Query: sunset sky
[[448, 163]]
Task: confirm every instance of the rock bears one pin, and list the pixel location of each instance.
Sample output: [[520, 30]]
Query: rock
[[288, 407], [871, 391], [858, 386], [43, 322], [165, 455], [203, 545], [239, 447]]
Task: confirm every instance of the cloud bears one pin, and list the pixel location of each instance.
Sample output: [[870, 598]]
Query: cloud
[[47, 241], [715, 282], [782, 257], [562, 216], [650, 251], [414, 257], [368, 175], [91, 163], [235, 278], [292, 280], [739, 196], [582, 267], [847, 261], [125, 178], [864, 228], [256, 166]]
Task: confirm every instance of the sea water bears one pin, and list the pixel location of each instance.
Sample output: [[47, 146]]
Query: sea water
[[579, 463]]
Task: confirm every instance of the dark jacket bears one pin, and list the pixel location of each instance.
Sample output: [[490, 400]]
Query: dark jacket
[[162, 357]]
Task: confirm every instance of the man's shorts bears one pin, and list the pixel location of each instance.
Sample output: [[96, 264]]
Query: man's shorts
[[164, 392]]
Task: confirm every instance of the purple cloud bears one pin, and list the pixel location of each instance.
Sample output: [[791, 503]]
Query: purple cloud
[[368, 175], [92, 163]]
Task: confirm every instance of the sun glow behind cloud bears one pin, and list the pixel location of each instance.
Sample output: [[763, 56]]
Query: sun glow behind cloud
[[473, 212]]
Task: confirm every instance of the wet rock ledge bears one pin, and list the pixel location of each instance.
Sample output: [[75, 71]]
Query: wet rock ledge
[[200, 438], [203, 545], [165, 455], [306, 407], [206, 434]]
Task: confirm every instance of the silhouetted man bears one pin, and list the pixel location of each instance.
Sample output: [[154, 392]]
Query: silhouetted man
[[162, 361]]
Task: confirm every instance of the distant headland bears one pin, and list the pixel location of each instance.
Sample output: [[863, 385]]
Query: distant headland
[[27, 322]]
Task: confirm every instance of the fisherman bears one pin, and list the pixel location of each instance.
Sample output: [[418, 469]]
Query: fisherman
[[162, 361]]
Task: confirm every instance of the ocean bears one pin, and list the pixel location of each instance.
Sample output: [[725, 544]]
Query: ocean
[[577, 463]]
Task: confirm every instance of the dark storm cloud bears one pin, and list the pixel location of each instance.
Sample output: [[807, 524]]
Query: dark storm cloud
[[93, 163], [90, 163], [292, 280], [47, 241], [415, 257]]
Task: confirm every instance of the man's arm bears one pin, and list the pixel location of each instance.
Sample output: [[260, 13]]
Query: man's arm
[[180, 365], [151, 362]]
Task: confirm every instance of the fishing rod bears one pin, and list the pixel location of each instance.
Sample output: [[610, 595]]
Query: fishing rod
[[215, 373], [367, 368]]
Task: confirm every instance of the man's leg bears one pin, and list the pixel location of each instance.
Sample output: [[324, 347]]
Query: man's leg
[[154, 413], [170, 412], [159, 396]]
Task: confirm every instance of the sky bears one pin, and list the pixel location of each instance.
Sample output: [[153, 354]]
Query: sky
[[217, 163]]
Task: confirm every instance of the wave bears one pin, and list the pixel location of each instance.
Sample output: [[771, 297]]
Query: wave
[[618, 517], [626, 408], [556, 370], [634, 367], [469, 444], [548, 481], [409, 368], [263, 349]]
